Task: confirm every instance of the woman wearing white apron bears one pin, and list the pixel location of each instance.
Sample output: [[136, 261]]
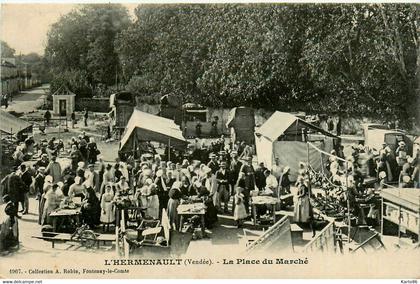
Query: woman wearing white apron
[[108, 208], [153, 203]]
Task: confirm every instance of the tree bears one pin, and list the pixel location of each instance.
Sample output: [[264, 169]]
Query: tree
[[359, 59], [82, 43], [6, 50], [364, 58], [75, 80]]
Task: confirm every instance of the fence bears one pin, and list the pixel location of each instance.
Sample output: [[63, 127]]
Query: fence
[[325, 242]]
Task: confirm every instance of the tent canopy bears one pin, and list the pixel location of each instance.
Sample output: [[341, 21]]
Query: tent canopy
[[291, 148], [281, 123], [143, 126], [11, 124]]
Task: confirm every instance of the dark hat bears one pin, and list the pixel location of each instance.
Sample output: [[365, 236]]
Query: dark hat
[[6, 198]]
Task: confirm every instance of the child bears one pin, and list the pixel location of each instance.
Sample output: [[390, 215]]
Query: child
[[240, 212]]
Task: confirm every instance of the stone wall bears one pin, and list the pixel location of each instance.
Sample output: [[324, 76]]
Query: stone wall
[[349, 125], [93, 104]]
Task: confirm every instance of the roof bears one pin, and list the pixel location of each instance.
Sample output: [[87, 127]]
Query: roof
[[407, 197], [280, 122], [6, 63], [148, 127], [385, 131], [11, 124], [63, 91]]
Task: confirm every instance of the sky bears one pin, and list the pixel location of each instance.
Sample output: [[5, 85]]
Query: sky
[[24, 26]]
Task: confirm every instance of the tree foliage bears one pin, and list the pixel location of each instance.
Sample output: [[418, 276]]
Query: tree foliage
[[359, 58], [6, 50], [81, 43]]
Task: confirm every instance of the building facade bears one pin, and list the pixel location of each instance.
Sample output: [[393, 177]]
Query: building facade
[[16, 76], [9, 78]]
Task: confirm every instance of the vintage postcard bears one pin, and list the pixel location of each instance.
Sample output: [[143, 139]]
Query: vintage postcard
[[210, 140]]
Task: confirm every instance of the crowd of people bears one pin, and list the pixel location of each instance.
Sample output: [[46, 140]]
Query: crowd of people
[[346, 183], [220, 175]]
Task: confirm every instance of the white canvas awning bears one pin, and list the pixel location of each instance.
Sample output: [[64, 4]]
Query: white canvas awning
[[280, 137], [281, 123], [144, 126], [11, 124]]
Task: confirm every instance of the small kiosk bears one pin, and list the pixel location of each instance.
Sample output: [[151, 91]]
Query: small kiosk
[[64, 101], [401, 213]]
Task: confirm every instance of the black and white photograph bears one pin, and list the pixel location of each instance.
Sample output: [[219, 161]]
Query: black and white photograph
[[209, 140]]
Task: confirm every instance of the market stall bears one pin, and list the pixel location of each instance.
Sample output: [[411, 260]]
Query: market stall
[[401, 213], [284, 137], [14, 126], [143, 128]]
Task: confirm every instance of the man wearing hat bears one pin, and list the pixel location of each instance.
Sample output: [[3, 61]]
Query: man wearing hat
[[16, 188], [222, 178], [27, 180], [234, 169], [43, 162], [401, 154], [213, 165], [39, 182], [135, 171], [260, 177], [284, 186], [92, 177], [249, 180]]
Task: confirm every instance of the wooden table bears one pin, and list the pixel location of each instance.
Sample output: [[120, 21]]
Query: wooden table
[[263, 200], [192, 210], [73, 214]]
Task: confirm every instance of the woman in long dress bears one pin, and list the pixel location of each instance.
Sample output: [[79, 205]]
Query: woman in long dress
[[92, 151], [302, 206], [162, 190], [45, 188], [173, 203], [91, 208], [108, 208], [51, 203], [239, 213], [153, 201], [145, 191]]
